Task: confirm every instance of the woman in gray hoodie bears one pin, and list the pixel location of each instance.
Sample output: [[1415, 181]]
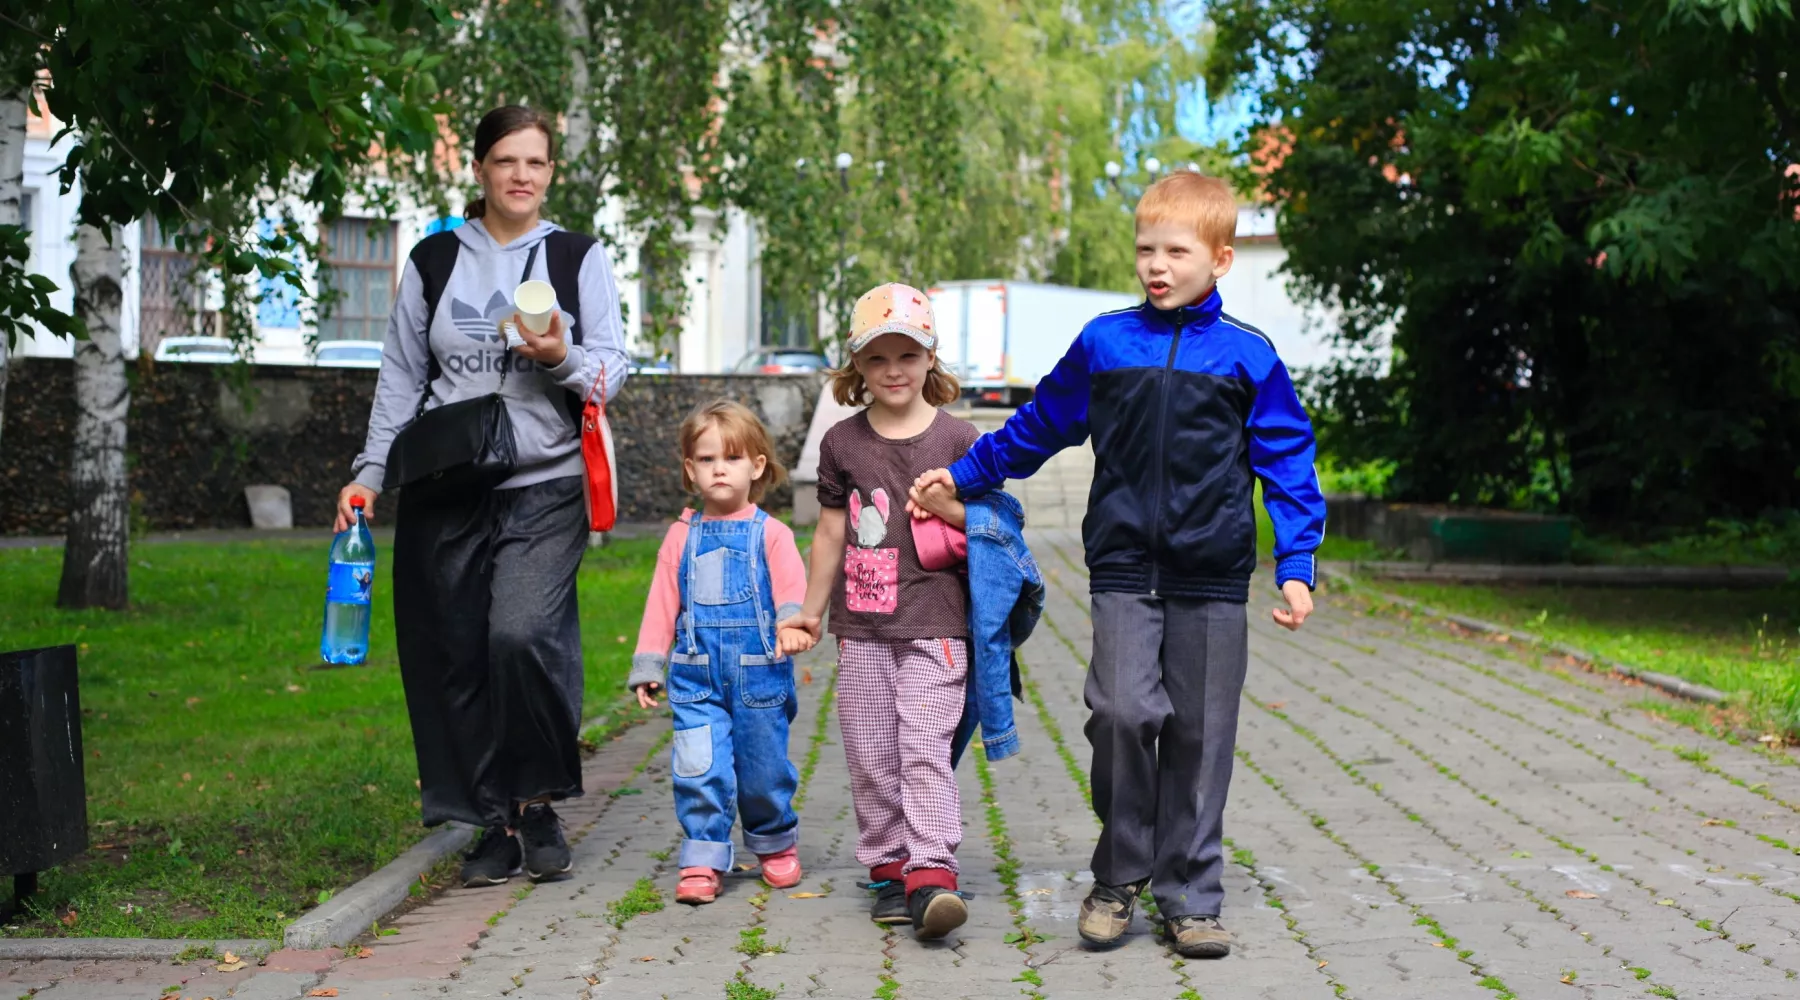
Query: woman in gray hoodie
[[484, 581]]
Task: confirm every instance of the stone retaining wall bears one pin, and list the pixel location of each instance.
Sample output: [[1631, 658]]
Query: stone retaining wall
[[194, 444]]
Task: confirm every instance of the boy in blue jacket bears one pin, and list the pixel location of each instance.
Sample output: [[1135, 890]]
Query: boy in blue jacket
[[1187, 407]]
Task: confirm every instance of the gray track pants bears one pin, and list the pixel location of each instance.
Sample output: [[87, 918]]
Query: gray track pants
[[1163, 689]]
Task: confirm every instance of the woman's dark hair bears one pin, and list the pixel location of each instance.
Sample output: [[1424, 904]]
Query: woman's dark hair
[[498, 124]]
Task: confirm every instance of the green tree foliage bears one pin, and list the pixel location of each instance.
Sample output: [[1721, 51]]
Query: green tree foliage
[[209, 116], [1575, 220], [978, 128]]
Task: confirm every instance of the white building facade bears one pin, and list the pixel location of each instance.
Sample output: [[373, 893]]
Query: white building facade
[[366, 253]]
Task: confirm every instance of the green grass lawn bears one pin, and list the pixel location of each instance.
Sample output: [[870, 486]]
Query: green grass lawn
[[231, 781], [1740, 641]]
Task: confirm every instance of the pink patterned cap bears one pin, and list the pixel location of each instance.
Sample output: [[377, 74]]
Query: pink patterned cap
[[893, 308]]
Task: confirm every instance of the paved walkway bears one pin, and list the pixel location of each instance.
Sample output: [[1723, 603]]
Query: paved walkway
[[1413, 816]]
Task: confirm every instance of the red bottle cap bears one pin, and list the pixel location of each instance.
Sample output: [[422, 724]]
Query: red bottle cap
[[356, 502]]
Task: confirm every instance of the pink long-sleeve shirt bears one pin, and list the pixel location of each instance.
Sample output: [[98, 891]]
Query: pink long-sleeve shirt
[[656, 636]]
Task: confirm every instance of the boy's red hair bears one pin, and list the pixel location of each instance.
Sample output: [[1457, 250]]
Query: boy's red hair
[[1203, 203]]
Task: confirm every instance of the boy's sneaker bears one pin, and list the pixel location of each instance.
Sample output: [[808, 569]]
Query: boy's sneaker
[[890, 902], [546, 852], [494, 859], [1106, 912], [1198, 937], [936, 911]]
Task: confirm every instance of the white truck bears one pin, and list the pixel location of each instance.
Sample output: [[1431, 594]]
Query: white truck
[[1001, 337]]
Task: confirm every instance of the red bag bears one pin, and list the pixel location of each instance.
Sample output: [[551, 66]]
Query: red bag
[[601, 489]]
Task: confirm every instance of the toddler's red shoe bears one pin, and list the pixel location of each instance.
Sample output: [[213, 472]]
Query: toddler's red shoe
[[698, 885], [782, 869]]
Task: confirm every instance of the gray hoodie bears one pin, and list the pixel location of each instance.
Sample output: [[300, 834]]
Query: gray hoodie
[[471, 351]]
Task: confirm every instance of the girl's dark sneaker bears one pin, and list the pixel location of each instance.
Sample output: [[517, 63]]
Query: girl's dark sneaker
[[494, 859], [547, 855], [936, 911], [890, 902]]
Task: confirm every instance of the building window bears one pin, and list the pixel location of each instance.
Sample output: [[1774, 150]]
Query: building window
[[171, 299], [359, 259], [784, 324]]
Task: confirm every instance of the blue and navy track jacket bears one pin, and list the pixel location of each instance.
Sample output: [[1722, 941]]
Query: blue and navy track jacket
[[1185, 406]]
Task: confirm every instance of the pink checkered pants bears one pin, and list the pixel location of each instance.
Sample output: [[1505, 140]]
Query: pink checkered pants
[[898, 705]]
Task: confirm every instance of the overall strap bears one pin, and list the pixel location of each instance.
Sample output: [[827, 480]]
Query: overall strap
[[765, 584], [690, 559]]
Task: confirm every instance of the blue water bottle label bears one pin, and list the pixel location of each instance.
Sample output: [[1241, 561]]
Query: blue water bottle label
[[350, 583]]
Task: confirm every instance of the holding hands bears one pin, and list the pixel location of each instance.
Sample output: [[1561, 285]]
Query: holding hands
[[934, 493], [798, 634]]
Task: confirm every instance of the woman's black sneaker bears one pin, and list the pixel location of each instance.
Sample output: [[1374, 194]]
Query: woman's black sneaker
[[890, 902], [493, 859], [546, 852], [936, 911]]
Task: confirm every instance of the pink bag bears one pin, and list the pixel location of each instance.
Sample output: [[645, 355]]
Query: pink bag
[[939, 546]]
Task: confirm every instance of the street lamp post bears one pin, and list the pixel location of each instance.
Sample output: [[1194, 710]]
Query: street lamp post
[[844, 160]]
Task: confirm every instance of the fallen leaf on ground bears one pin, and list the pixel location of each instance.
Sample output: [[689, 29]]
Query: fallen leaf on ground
[[69, 918], [1324, 963], [1567, 980], [1580, 894], [1665, 902], [1277, 705], [593, 980], [647, 958], [806, 895], [745, 868], [806, 675], [621, 639], [1713, 822], [328, 991], [1035, 892], [229, 957], [191, 702], [109, 845], [295, 689], [231, 966], [1439, 944], [363, 952], [187, 776], [1764, 738]]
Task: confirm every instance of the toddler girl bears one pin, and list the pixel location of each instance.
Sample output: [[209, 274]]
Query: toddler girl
[[725, 576], [902, 629]]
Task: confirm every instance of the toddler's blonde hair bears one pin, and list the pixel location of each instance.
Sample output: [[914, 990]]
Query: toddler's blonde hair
[[740, 432]]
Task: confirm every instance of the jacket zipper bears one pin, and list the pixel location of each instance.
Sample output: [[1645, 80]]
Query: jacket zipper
[[1162, 419]]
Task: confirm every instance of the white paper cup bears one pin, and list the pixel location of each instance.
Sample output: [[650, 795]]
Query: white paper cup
[[535, 302]]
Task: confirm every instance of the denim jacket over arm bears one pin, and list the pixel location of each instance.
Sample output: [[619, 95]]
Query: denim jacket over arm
[[1006, 597]]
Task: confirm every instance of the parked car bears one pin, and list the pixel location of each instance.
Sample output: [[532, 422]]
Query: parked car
[[651, 366], [780, 361], [204, 350], [349, 354]]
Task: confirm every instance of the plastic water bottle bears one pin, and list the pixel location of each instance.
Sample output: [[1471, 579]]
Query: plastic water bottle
[[351, 582]]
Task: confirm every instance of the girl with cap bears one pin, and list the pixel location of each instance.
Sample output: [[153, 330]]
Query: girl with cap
[[899, 614]]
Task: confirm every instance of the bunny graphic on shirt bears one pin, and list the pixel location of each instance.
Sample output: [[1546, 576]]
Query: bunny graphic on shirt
[[871, 574]]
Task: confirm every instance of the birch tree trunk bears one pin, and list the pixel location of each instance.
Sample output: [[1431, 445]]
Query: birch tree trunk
[[578, 133], [95, 564], [12, 184]]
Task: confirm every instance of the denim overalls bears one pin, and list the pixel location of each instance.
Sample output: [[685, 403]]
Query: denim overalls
[[733, 697]]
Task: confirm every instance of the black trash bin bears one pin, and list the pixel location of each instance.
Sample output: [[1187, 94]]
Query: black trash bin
[[43, 792]]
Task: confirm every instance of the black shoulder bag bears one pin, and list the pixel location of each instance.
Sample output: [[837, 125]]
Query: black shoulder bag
[[463, 446]]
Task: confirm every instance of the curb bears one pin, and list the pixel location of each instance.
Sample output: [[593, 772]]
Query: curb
[[335, 923], [127, 949], [1679, 577], [345, 916], [1662, 682]]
